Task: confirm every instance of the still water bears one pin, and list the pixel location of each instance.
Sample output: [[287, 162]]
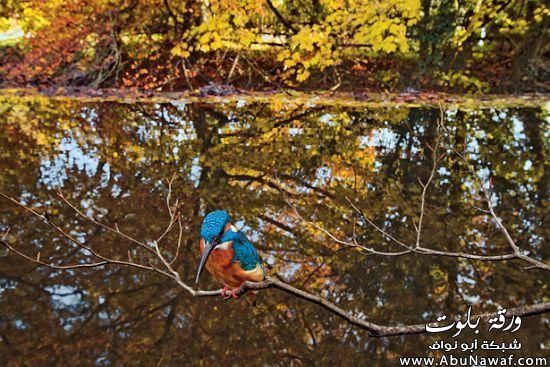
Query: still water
[[265, 163]]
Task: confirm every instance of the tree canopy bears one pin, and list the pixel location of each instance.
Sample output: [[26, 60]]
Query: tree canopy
[[471, 45]]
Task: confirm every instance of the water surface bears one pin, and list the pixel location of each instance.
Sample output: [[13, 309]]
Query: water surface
[[262, 162]]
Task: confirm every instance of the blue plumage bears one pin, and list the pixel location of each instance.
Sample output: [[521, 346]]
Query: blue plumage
[[227, 253], [213, 224], [243, 251]]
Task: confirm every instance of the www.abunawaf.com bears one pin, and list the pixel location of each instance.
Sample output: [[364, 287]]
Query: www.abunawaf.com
[[450, 360]]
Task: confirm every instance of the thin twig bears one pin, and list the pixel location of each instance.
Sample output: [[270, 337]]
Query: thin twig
[[425, 186], [115, 230], [180, 235], [376, 227], [299, 217]]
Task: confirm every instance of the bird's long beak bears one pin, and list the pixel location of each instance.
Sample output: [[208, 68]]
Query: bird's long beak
[[208, 247]]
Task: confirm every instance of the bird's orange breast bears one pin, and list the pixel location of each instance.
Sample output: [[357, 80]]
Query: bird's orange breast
[[222, 267]]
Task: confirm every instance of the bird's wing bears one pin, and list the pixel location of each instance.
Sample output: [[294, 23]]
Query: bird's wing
[[245, 253]]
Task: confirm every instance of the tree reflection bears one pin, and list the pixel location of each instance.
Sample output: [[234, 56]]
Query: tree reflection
[[112, 160]]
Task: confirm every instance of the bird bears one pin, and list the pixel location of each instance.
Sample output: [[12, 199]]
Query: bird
[[227, 254]]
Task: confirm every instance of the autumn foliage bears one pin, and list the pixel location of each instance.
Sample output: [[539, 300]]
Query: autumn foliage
[[470, 45]]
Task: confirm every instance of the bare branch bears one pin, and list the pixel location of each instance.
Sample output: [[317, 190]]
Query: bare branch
[[6, 233], [174, 216], [417, 248], [115, 230], [491, 208], [70, 238], [425, 186], [169, 195], [374, 329], [427, 251], [178, 245], [46, 220], [48, 265], [299, 217], [376, 227], [105, 261]]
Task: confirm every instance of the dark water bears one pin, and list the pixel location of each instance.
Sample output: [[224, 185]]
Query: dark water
[[252, 159]]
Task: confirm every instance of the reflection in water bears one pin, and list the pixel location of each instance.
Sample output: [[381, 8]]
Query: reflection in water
[[113, 160]]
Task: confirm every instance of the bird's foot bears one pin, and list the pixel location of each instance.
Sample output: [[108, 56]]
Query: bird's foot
[[232, 292], [224, 291]]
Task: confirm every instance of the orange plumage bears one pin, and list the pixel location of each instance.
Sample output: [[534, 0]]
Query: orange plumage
[[222, 267]]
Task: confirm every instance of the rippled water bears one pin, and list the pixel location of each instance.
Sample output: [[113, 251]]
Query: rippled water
[[265, 163]]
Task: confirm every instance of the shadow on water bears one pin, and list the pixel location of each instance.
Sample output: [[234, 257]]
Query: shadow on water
[[252, 159]]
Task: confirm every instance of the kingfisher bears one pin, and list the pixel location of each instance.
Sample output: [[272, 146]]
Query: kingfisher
[[228, 254]]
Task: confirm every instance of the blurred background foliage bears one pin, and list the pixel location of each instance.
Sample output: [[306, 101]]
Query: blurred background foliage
[[463, 46]]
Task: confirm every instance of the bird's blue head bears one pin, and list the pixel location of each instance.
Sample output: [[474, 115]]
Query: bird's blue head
[[212, 230], [213, 225]]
